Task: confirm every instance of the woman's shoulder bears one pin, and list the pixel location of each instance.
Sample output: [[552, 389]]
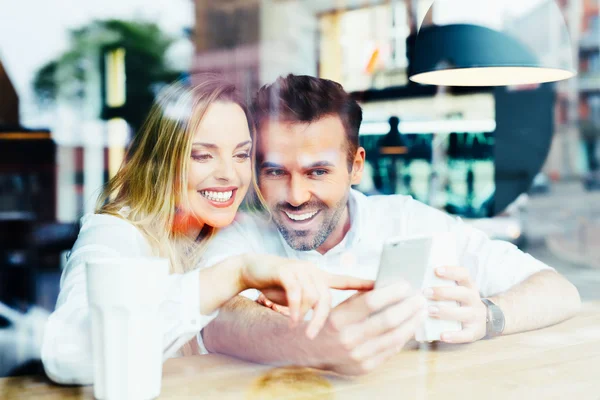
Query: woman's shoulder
[[109, 228], [112, 231], [102, 220]]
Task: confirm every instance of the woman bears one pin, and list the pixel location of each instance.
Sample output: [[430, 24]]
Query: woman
[[185, 176]]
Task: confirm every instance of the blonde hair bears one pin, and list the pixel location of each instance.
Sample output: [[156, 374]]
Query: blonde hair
[[151, 183]]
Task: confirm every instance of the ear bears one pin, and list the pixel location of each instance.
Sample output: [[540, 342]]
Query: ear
[[358, 166]]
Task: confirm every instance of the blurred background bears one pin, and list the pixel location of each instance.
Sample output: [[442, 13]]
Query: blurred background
[[77, 78]]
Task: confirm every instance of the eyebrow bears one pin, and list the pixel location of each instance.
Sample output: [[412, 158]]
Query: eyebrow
[[317, 164], [214, 146]]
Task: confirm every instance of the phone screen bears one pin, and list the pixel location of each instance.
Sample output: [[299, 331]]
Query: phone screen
[[404, 259]]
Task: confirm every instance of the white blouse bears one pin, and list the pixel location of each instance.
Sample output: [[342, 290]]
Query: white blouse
[[66, 348]]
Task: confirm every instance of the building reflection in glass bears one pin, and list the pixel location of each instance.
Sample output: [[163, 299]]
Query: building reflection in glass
[[448, 163]]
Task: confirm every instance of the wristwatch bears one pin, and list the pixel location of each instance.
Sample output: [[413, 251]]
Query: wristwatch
[[494, 320]]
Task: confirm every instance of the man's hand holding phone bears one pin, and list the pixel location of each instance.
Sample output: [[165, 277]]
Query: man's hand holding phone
[[472, 311], [367, 329], [370, 327]]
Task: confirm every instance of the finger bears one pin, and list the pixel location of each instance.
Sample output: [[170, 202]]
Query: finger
[[309, 293], [293, 291], [276, 295], [389, 319], [358, 308], [276, 299], [281, 309], [263, 300], [377, 350], [321, 310], [447, 313], [343, 282], [456, 293], [463, 336], [394, 316], [380, 358], [458, 274]]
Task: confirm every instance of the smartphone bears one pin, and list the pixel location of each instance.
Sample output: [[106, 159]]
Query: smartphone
[[404, 259], [414, 260]]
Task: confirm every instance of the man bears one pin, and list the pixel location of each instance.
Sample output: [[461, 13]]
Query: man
[[307, 159], [590, 133]]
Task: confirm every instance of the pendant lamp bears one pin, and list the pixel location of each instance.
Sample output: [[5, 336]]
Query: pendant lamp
[[492, 43]]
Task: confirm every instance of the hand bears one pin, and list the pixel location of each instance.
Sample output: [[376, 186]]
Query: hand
[[367, 329], [471, 313], [297, 284]]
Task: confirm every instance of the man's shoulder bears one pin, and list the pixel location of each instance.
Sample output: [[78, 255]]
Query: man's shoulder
[[248, 233], [384, 203], [399, 214], [249, 224]]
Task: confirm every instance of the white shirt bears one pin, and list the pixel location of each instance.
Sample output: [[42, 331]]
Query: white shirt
[[66, 349], [495, 266]]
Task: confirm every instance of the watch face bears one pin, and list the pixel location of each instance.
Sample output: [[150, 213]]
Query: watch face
[[495, 323]]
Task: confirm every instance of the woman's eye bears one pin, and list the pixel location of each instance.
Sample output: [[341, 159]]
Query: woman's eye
[[201, 157], [243, 156]]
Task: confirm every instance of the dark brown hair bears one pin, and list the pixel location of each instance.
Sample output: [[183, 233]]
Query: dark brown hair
[[301, 98]]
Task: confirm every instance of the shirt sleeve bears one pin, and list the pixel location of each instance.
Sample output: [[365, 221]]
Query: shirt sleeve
[[231, 241], [495, 265], [67, 348]]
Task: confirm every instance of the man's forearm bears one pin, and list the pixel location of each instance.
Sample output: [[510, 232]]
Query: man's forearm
[[543, 299], [249, 331]]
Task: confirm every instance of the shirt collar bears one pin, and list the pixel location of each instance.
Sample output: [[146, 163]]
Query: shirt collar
[[356, 208]]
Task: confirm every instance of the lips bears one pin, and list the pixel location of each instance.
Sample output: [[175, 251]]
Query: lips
[[301, 220], [219, 196], [301, 217]]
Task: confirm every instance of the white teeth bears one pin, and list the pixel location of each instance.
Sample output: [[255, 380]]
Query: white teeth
[[301, 217], [217, 196]]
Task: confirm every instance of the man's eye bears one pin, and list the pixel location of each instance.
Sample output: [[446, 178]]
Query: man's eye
[[318, 172], [273, 172], [201, 157]]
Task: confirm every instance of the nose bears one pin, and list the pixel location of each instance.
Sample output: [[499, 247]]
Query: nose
[[298, 192], [224, 171]]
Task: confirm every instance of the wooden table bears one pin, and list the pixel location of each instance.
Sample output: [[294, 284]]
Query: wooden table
[[559, 362]]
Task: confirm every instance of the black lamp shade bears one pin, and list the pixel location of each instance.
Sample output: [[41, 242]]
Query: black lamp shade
[[473, 55]]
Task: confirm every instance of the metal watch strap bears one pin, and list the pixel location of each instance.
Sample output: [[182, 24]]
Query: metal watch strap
[[494, 321]]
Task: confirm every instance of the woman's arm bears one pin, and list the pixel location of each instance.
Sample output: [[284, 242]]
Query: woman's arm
[[219, 283], [297, 284]]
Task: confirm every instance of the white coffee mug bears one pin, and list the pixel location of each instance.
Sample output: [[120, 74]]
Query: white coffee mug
[[127, 335]]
